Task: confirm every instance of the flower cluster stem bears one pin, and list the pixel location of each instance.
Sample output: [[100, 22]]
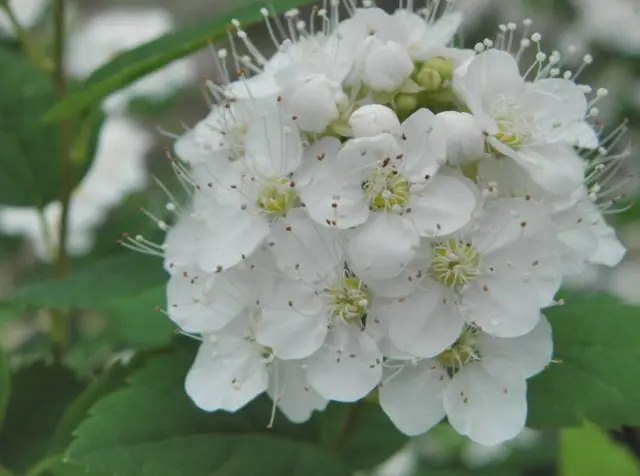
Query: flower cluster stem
[[59, 320], [350, 423]]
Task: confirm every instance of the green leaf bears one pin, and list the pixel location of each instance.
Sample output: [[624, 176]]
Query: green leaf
[[109, 381], [153, 428], [360, 433], [30, 170], [5, 386], [136, 322], [141, 61], [596, 343], [94, 285], [588, 451], [39, 397]]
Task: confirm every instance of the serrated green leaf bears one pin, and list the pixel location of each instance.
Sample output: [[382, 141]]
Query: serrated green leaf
[[137, 323], [588, 451], [361, 434], [94, 285], [136, 63], [30, 172], [39, 397], [5, 386], [596, 377], [108, 382], [152, 428]]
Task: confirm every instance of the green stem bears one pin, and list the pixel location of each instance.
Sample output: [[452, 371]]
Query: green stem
[[47, 239], [59, 320], [349, 426], [44, 464], [30, 49]]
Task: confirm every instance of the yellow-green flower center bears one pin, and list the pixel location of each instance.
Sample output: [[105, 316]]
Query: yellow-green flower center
[[277, 197], [349, 300], [455, 263], [462, 351], [387, 190]]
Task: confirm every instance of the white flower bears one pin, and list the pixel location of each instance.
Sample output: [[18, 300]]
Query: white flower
[[312, 90], [577, 220], [374, 119], [238, 205], [118, 170], [383, 66], [106, 35], [479, 384], [536, 124], [220, 135], [202, 302], [392, 189], [27, 12], [496, 275], [465, 140], [323, 322]]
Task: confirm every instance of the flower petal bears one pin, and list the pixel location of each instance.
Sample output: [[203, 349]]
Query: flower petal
[[289, 388], [522, 357], [382, 247], [444, 206], [486, 408], [226, 375], [347, 367], [426, 322], [412, 398]]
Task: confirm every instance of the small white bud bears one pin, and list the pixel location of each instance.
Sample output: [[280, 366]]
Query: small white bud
[[374, 119]]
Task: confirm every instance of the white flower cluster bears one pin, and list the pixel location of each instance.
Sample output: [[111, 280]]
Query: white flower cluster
[[375, 209]]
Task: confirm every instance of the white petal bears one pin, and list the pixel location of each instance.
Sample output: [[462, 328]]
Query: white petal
[[465, 140], [226, 375], [304, 249], [413, 397], [182, 243], [443, 207], [502, 306], [288, 386], [521, 357], [610, 251], [426, 322], [486, 408], [386, 65], [231, 236], [373, 119], [347, 367], [334, 204], [294, 321], [501, 223], [202, 303], [555, 167], [314, 103], [423, 144], [273, 144], [383, 247]]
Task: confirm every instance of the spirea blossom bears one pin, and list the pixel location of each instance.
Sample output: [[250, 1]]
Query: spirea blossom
[[374, 209]]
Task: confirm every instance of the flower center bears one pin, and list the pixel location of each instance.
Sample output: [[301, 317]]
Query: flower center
[[461, 352], [455, 263], [386, 189], [509, 133], [349, 300], [277, 197]]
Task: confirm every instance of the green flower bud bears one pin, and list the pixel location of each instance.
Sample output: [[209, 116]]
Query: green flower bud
[[442, 65], [429, 79]]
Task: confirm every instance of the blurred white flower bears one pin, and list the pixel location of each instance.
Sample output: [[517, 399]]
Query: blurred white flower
[[106, 35], [117, 170], [614, 23], [27, 12], [475, 455]]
